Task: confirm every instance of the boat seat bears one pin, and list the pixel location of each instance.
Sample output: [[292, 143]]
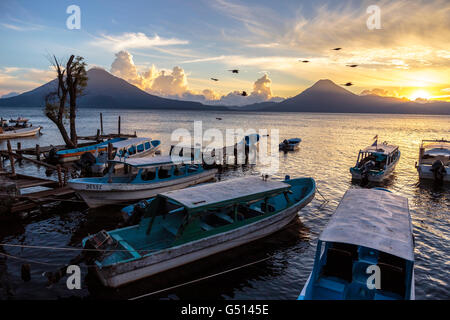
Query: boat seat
[[392, 279], [126, 245], [206, 226], [359, 291], [339, 264], [170, 229], [224, 216]]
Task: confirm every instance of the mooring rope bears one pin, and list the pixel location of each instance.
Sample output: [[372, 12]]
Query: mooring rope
[[200, 279]]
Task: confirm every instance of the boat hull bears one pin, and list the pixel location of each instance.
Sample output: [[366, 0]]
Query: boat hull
[[118, 193], [376, 177], [426, 173], [20, 133], [123, 273]]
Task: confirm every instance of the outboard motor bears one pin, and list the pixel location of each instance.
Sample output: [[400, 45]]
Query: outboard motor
[[87, 160], [365, 170], [438, 170]]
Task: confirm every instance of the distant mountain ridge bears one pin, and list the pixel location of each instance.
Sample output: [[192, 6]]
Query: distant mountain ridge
[[326, 96], [107, 90]]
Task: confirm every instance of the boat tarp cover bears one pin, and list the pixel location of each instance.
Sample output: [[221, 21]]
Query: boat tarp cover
[[374, 219], [222, 193], [153, 161]]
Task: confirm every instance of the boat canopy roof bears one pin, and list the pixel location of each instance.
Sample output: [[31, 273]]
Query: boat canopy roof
[[129, 142], [374, 219], [436, 144], [150, 162], [382, 148], [225, 192]]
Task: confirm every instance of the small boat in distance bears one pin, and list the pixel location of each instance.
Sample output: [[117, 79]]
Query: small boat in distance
[[376, 162], [69, 155], [366, 251], [142, 178], [290, 144], [434, 160], [20, 129], [182, 226]]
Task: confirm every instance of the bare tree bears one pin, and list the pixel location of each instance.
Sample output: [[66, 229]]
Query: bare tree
[[71, 82]]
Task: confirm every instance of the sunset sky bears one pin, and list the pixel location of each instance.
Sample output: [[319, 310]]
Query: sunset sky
[[173, 47]]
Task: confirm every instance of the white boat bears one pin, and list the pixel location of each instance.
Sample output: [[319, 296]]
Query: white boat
[[142, 178], [376, 162], [19, 133], [434, 160], [126, 149], [186, 225], [366, 252]]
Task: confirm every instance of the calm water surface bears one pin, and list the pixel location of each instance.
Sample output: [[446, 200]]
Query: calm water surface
[[329, 146]]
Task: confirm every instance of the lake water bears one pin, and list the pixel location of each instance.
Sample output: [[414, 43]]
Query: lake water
[[329, 147]]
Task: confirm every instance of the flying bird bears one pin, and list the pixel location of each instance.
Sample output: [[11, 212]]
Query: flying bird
[[219, 118], [348, 84], [304, 61], [352, 65], [244, 93], [337, 49], [234, 70], [214, 79]]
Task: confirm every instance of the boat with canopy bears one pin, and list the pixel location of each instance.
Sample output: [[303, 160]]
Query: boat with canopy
[[181, 226], [376, 162], [434, 160], [370, 230], [140, 178]]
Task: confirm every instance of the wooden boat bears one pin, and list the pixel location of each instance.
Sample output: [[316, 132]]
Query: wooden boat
[[186, 225], [142, 178], [127, 149], [19, 133], [376, 162], [290, 144], [434, 160], [69, 155], [370, 230]]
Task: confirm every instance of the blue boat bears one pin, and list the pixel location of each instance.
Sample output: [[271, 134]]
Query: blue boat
[[182, 226], [366, 252], [69, 155], [290, 144], [140, 178]]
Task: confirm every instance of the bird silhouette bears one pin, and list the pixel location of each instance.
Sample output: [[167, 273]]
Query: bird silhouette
[[337, 49], [352, 65], [244, 93], [234, 70], [304, 61], [214, 79], [348, 84], [219, 118]]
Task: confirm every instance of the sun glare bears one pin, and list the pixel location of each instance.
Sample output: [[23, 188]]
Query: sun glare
[[420, 94]]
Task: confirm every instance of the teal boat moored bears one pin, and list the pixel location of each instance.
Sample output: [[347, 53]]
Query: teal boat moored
[[185, 225]]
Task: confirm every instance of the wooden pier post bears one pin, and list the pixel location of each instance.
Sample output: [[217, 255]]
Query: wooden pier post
[[19, 151], [110, 151], [11, 158], [38, 153], [60, 181], [101, 123], [66, 173], [118, 131], [97, 137]]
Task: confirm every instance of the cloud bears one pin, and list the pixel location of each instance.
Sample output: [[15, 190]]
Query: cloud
[[23, 79], [174, 84], [134, 40], [375, 92]]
